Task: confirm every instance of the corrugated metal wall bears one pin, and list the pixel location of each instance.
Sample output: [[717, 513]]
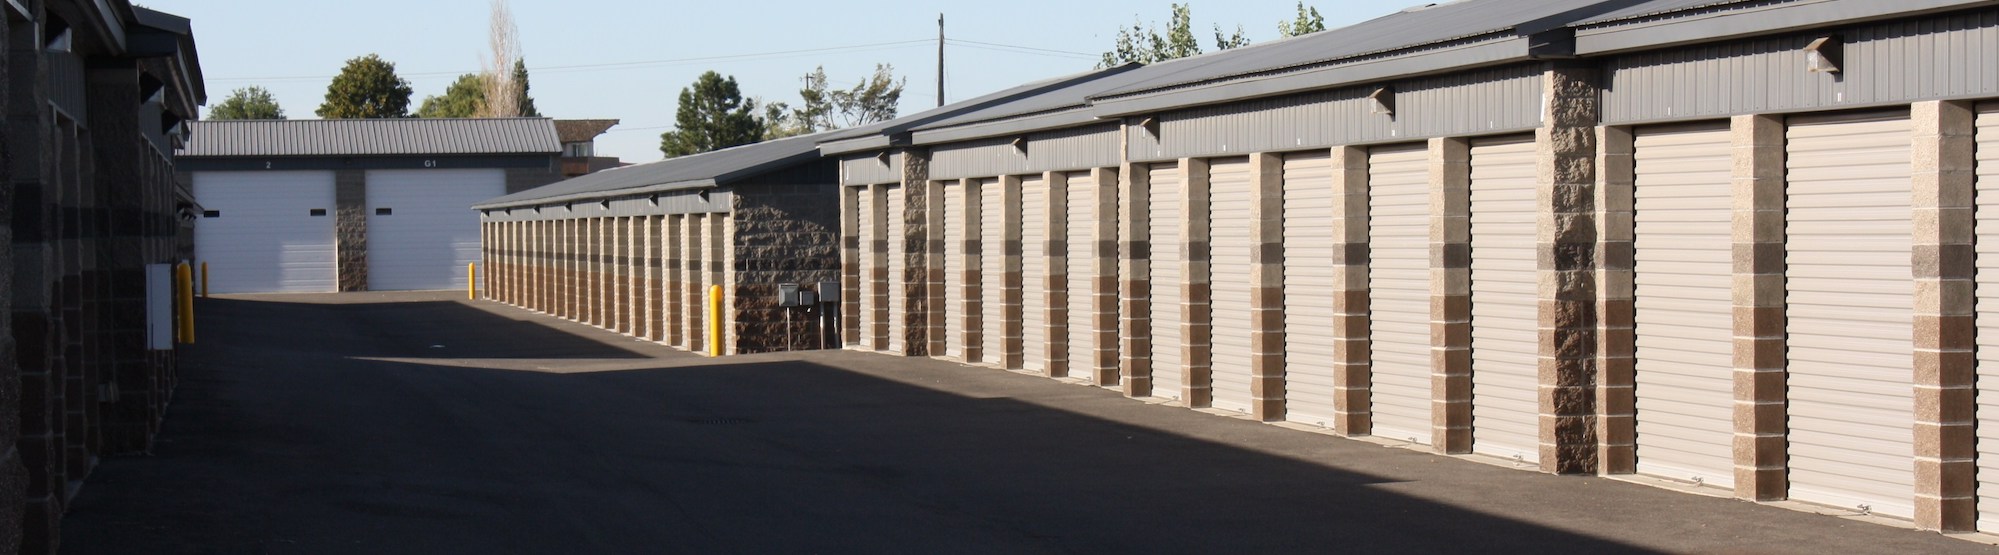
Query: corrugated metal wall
[[1484, 101], [1939, 57], [870, 169], [1060, 150]]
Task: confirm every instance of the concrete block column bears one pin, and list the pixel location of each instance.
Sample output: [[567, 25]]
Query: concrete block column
[[1450, 295], [1945, 368], [1566, 238], [1098, 361], [1055, 281], [1616, 341], [972, 281], [350, 228], [1011, 293], [1757, 234], [1197, 292], [1134, 277], [1266, 275], [919, 275], [1353, 370]]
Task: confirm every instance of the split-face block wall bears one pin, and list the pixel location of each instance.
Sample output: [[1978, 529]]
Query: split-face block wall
[[1598, 275]]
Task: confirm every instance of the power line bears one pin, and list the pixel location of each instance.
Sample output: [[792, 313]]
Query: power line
[[622, 65], [1049, 50], [1030, 53]]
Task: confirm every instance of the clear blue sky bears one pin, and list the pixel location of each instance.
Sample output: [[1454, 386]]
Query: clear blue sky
[[294, 47]]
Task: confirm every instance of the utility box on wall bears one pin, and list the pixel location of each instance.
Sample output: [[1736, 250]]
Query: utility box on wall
[[787, 294]]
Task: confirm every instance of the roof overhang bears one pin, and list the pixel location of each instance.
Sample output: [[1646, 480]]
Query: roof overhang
[[1711, 23], [602, 195], [1077, 116], [861, 143], [163, 35]]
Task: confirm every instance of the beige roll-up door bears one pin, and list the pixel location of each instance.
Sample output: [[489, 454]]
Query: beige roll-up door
[[898, 342], [1398, 283], [1309, 269], [1168, 372], [697, 282], [992, 271], [1988, 318], [954, 270], [1229, 236], [1504, 300], [1034, 273], [1850, 297], [864, 208], [1685, 332], [1082, 255]]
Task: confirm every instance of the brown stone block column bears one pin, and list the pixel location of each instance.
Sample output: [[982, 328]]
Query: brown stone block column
[[918, 270], [1566, 237], [1099, 359], [1055, 281], [1758, 236], [1197, 291], [1266, 275], [350, 225], [1450, 295], [1353, 369], [1012, 295], [1945, 364], [1616, 345], [1134, 273]]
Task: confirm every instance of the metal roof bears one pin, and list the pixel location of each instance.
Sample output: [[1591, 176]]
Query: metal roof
[[694, 171], [1658, 7], [371, 137], [884, 134]]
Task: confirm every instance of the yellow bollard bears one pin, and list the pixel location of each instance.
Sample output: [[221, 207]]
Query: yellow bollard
[[472, 281], [204, 280], [185, 291], [714, 320]]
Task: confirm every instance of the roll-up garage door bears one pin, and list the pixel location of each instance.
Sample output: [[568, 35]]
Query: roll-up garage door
[[1082, 255], [267, 232], [1988, 318], [894, 228], [1398, 283], [1309, 290], [865, 208], [1229, 236], [1850, 293], [1034, 273], [992, 271], [1685, 367], [1168, 375], [1504, 301], [954, 270], [697, 281]]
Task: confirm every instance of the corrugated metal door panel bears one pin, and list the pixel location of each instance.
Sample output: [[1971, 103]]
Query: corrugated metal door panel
[[954, 271], [1398, 281], [1309, 255], [865, 209], [1229, 235], [1851, 302], [897, 342], [1168, 372], [1082, 253], [1685, 367], [992, 270], [1504, 300], [1034, 273], [1988, 318], [264, 237]]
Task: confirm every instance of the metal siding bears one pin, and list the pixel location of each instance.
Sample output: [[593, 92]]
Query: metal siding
[[1034, 273], [1483, 101], [865, 209], [1505, 300], [1082, 241], [992, 270], [954, 270], [863, 170], [1058, 150], [1229, 208], [1684, 308], [1310, 265], [1988, 318], [897, 243], [362, 137], [1168, 372], [1928, 58], [1851, 302], [1398, 183]]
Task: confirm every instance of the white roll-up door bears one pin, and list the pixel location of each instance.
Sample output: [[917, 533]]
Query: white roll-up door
[[1309, 291], [1229, 199], [954, 270], [1684, 315], [1504, 300], [992, 271], [1082, 255], [1398, 284], [267, 232], [1034, 273], [865, 208], [898, 342], [1168, 372], [1988, 318], [1851, 308]]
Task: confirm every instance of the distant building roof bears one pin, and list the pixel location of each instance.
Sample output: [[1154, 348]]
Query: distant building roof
[[582, 130], [371, 137]]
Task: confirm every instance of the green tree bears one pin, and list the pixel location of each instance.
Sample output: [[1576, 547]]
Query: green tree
[[1143, 44], [465, 98], [366, 88], [522, 98], [1308, 21], [875, 99], [247, 103], [712, 116]]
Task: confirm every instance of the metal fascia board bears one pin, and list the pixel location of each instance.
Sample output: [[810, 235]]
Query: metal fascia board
[[598, 195], [112, 23], [1029, 124], [857, 144], [1720, 24], [1396, 67], [766, 167]]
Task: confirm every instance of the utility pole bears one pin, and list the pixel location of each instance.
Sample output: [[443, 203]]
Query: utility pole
[[940, 60]]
